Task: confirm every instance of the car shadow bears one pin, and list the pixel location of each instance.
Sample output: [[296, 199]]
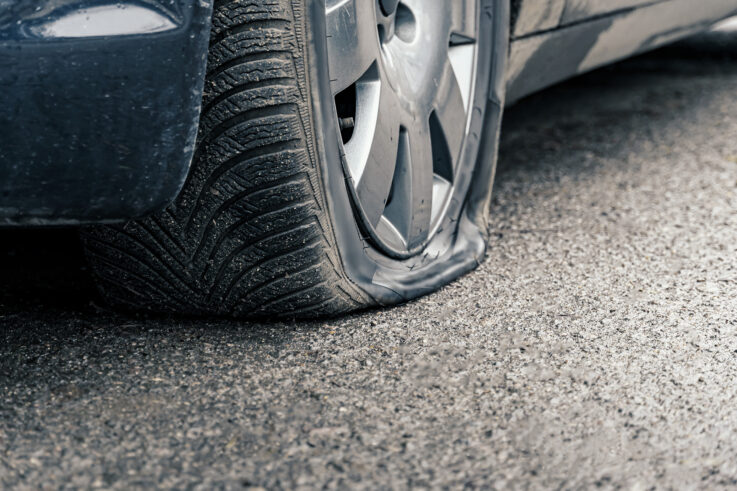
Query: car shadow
[[48, 297]]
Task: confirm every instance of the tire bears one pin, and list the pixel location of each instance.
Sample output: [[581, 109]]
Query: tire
[[270, 222]]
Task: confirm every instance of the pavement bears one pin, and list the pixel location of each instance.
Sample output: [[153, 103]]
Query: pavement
[[595, 347]]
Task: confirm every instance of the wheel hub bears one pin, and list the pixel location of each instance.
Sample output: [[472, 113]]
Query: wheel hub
[[402, 75]]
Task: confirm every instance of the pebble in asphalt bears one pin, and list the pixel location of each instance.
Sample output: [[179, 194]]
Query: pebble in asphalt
[[595, 346]]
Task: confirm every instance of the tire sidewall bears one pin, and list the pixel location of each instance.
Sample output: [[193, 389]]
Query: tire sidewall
[[460, 243]]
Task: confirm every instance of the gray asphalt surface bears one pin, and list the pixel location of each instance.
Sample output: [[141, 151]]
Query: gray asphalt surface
[[596, 346]]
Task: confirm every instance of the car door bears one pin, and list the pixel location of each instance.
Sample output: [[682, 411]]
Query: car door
[[581, 10], [591, 33], [534, 16]]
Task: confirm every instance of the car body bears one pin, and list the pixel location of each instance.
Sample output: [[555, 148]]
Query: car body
[[100, 99], [100, 102], [555, 39]]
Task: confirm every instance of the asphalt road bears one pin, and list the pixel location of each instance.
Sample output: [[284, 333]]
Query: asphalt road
[[597, 345]]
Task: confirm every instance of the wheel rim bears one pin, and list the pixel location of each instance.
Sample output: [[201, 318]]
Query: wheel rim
[[402, 74]]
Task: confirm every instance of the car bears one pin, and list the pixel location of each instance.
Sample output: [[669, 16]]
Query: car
[[284, 158]]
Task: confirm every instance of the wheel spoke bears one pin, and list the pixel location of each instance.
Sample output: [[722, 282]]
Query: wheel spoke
[[375, 181], [420, 151], [391, 234], [451, 114], [352, 41], [368, 100], [461, 58], [440, 189]]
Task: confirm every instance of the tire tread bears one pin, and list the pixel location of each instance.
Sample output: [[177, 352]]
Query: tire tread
[[248, 235]]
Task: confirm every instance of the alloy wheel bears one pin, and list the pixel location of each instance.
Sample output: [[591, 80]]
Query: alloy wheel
[[402, 74]]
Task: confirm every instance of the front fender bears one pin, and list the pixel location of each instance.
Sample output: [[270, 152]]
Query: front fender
[[99, 106]]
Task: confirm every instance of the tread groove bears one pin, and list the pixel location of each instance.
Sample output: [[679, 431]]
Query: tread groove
[[253, 25], [282, 109], [253, 289], [291, 294], [280, 55], [250, 245], [134, 263], [280, 82], [264, 151], [222, 237], [111, 264]]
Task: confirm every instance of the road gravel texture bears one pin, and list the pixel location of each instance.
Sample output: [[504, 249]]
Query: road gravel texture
[[596, 345]]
